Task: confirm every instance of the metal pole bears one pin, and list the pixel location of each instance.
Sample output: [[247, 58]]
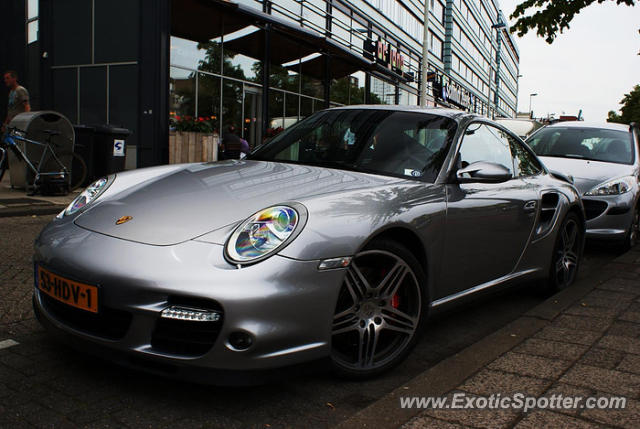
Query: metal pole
[[425, 57]]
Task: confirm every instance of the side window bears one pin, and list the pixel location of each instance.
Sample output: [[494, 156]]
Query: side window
[[526, 164], [482, 142]]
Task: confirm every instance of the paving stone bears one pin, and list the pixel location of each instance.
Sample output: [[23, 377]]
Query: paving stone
[[622, 328], [574, 336], [631, 316], [41, 417], [581, 323], [477, 418], [551, 349], [567, 391], [630, 363], [549, 419], [602, 297], [533, 366], [426, 422], [624, 344], [624, 418], [622, 285], [589, 311], [488, 382], [602, 358], [606, 380]]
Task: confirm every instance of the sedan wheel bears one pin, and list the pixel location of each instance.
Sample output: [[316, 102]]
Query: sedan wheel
[[379, 311], [567, 252], [632, 237]]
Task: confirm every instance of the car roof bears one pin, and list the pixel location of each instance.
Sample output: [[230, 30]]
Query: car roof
[[582, 124], [450, 113]]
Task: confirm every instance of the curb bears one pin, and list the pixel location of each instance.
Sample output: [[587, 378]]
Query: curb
[[32, 211], [452, 371]]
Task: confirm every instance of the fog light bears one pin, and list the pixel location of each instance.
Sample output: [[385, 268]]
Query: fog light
[[188, 313], [330, 264], [240, 340]]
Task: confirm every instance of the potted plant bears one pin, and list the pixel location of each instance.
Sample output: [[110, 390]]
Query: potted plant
[[193, 139]]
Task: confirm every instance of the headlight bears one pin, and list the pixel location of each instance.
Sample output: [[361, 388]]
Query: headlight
[[613, 187], [86, 197], [265, 232]]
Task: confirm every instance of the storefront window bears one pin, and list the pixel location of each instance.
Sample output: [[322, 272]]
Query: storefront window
[[382, 92], [306, 106], [291, 109], [276, 113], [182, 93], [209, 99], [231, 104], [186, 53], [236, 63]]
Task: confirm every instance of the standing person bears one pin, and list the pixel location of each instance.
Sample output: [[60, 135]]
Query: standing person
[[233, 145], [18, 97]]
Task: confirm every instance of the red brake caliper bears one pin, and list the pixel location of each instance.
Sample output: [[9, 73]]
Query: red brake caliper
[[395, 301]]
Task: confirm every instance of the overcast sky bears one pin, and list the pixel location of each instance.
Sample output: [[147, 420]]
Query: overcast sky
[[590, 66]]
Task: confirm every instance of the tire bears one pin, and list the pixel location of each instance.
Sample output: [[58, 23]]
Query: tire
[[631, 238], [4, 162], [567, 253], [380, 312]]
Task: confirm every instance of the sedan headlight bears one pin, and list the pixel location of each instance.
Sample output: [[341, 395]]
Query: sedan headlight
[[613, 187], [264, 233], [88, 196]]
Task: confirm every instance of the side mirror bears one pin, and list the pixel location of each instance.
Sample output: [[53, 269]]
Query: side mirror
[[483, 172]]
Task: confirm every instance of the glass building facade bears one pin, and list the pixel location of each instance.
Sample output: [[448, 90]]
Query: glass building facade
[[259, 65], [473, 63]]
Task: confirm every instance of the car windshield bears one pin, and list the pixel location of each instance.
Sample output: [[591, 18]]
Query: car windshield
[[596, 144], [403, 144]]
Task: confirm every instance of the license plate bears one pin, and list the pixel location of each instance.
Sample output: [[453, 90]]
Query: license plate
[[70, 292]]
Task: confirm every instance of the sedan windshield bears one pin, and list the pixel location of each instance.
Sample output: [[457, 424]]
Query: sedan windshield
[[596, 144], [403, 144]]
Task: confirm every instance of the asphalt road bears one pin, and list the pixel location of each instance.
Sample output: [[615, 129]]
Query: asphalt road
[[46, 384]]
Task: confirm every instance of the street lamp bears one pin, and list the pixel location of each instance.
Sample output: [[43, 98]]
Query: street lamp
[[530, 98]]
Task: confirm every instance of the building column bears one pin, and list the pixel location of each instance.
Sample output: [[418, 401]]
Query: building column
[[153, 72]]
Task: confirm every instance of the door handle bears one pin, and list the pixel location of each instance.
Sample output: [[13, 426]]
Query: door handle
[[530, 206]]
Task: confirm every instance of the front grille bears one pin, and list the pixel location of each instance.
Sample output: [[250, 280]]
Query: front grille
[[109, 323], [187, 337], [594, 208]]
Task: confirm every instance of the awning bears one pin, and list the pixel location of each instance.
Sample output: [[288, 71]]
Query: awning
[[314, 67], [283, 48], [203, 20], [197, 20]]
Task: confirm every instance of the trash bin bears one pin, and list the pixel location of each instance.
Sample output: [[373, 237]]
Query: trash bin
[[109, 149], [84, 147]]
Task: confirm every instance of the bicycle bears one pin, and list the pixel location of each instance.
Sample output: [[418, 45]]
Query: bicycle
[[70, 181]]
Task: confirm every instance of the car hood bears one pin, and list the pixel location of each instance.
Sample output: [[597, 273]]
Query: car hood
[[587, 174], [200, 198]]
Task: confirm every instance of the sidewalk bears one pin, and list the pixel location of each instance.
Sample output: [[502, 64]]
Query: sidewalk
[[584, 341], [15, 202]]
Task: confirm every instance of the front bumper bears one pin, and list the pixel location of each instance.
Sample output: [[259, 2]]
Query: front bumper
[[609, 217], [285, 305]]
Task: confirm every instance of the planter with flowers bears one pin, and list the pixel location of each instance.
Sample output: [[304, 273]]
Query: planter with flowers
[[192, 139]]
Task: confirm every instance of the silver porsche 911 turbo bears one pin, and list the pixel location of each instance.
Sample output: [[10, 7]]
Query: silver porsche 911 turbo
[[331, 242]]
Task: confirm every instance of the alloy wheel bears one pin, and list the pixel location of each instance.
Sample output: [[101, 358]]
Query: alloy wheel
[[635, 227], [567, 253], [378, 312]]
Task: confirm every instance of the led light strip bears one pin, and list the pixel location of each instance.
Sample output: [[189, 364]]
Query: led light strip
[[191, 314]]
